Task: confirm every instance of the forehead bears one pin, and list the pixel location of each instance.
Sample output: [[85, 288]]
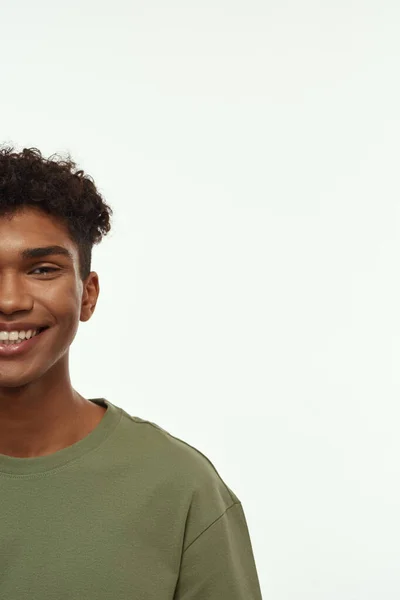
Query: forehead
[[32, 228]]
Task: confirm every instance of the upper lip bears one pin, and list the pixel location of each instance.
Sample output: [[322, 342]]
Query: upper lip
[[20, 326]]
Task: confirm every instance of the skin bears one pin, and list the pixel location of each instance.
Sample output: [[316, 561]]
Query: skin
[[40, 411]]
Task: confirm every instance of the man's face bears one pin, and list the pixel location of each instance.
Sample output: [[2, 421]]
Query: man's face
[[30, 292]]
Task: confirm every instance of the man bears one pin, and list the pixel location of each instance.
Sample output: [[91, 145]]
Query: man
[[96, 503]]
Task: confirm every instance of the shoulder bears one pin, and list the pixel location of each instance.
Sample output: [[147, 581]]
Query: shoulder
[[181, 463]]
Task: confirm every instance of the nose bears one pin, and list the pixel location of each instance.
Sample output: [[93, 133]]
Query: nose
[[14, 296]]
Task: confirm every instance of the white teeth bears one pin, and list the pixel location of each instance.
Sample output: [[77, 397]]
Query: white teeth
[[13, 336]]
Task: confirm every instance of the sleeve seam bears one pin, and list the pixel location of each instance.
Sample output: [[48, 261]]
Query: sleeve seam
[[211, 524]]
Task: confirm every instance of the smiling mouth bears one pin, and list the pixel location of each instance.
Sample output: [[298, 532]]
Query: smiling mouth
[[21, 341]]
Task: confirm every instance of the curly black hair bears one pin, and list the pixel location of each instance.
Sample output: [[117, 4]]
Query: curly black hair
[[55, 186]]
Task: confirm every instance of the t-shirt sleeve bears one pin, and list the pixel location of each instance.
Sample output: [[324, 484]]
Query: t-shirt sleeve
[[219, 564]]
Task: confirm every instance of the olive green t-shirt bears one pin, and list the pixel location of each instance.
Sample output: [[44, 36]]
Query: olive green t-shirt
[[128, 512]]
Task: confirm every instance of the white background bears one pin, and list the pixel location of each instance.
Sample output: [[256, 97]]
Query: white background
[[250, 288]]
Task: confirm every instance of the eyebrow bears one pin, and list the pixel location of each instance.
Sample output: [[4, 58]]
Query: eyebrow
[[46, 251]]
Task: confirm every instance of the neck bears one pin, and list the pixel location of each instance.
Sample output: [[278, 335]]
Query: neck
[[44, 417]]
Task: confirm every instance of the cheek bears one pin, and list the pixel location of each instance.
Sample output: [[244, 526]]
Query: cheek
[[63, 305], [63, 298], [62, 336]]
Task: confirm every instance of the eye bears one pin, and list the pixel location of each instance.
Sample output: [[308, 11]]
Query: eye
[[47, 269]]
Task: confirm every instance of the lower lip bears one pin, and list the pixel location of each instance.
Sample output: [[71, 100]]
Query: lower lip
[[17, 349]]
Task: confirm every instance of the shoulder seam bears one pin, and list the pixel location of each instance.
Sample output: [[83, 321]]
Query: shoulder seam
[[211, 524], [160, 429]]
